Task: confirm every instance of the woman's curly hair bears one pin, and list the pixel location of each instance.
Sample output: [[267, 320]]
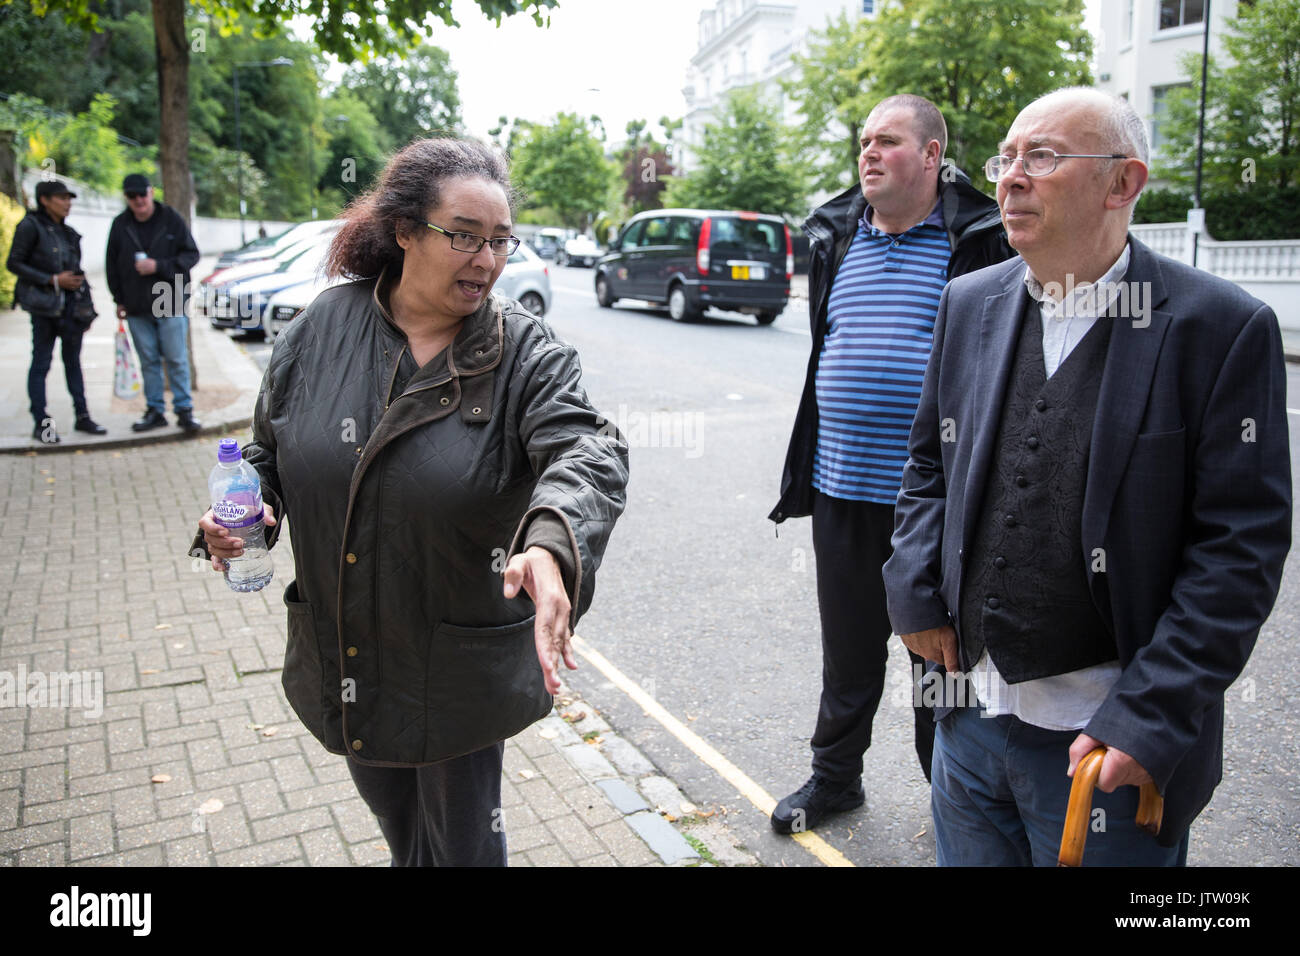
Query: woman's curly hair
[[409, 186]]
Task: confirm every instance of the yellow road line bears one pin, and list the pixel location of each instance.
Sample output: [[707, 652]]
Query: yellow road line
[[750, 790]]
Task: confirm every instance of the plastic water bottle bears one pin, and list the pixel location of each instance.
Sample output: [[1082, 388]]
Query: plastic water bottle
[[237, 504]]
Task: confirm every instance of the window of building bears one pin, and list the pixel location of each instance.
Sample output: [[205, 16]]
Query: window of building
[[1160, 113], [868, 7], [1177, 13]]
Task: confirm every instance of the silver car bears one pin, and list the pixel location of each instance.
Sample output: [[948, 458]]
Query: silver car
[[527, 279]]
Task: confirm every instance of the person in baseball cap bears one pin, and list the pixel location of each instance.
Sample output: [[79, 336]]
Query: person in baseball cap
[[50, 188]]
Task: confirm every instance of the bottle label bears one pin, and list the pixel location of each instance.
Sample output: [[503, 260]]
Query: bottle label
[[231, 514]]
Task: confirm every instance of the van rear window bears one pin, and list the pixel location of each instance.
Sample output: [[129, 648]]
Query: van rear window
[[751, 237]]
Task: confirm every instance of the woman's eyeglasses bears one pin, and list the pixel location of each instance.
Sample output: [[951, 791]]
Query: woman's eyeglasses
[[468, 242]]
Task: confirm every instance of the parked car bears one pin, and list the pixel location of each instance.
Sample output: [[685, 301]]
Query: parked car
[[215, 281], [581, 251], [547, 242], [693, 259], [283, 306], [242, 304], [263, 249], [527, 279]]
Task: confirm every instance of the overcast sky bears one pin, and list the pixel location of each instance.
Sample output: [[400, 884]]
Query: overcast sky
[[619, 59]]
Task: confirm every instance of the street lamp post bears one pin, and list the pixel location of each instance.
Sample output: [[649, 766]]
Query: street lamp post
[[239, 143]]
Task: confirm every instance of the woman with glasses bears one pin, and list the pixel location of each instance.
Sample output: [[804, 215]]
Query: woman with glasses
[[450, 490], [46, 256]]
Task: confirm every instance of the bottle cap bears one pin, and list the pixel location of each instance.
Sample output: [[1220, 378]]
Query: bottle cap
[[228, 451]]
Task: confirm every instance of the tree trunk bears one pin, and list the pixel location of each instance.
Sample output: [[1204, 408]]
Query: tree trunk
[[173, 56]]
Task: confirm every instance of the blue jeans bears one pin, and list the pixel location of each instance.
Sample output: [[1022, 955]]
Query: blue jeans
[[158, 341], [999, 794]]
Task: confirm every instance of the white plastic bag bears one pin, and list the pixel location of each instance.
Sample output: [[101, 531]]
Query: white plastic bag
[[126, 376]]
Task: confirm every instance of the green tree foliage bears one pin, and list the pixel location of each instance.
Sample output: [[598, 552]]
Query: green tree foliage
[[748, 161], [1252, 106], [646, 169], [562, 165], [355, 153], [830, 86], [980, 62], [408, 98], [349, 29]]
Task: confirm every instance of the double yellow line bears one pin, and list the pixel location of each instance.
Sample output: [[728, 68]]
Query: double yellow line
[[729, 772]]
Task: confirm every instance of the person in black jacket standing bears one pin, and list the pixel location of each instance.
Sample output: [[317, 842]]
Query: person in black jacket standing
[[46, 257], [149, 258], [881, 254]]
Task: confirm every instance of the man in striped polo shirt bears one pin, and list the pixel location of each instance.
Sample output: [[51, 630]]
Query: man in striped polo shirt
[[881, 254]]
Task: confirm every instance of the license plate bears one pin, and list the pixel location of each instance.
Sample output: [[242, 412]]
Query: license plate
[[748, 272]]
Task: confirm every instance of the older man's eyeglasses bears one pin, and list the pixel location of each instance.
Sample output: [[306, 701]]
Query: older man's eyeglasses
[[468, 242], [1038, 162]]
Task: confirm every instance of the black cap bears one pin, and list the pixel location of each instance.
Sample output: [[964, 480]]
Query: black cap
[[52, 187], [135, 183]]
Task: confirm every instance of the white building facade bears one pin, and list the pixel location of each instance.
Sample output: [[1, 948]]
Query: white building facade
[[1141, 43], [742, 42]]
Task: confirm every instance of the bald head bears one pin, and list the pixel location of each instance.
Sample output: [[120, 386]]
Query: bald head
[[1111, 119]]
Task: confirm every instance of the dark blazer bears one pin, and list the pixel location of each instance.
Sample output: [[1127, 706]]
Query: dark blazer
[[1188, 497]]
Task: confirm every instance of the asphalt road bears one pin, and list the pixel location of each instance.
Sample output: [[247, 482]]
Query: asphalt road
[[715, 616]]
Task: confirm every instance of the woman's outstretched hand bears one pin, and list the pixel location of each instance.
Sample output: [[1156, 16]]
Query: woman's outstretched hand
[[536, 571]]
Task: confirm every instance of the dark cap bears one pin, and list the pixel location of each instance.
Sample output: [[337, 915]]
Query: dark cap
[[52, 187], [135, 183]]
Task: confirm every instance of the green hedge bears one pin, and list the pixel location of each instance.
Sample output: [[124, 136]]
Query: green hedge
[[11, 214], [1252, 211]]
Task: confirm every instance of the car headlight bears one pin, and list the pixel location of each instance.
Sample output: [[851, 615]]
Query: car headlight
[[285, 313]]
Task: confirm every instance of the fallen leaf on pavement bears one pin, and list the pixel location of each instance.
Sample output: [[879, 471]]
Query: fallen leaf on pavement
[[546, 733], [210, 806], [161, 627], [161, 778], [688, 807], [921, 834], [527, 774], [270, 731], [149, 670]]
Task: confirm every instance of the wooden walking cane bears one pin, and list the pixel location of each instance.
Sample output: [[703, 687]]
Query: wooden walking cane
[[1151, 807]]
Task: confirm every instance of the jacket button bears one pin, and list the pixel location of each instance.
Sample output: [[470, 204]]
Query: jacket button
[[351, 558], [444, 400], [992, 602], [1040, 404], [999, 562], [478, 411], [1021, 481], [352, 652], [1032, 443], [356, 745], [1009, 520], [960, 554]]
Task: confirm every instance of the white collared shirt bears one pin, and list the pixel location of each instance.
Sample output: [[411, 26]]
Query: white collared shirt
[[1065, 701]]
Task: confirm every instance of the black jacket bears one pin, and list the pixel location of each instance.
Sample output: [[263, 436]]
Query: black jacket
[[977, 239], [404, 505], [42, 248], [172, 247]]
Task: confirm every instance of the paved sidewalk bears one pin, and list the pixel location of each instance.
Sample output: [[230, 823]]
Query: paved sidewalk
[[228, 382], [196, 757]]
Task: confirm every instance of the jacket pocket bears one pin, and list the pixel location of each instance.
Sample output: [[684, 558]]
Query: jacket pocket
[[484, 684], [303, 675]]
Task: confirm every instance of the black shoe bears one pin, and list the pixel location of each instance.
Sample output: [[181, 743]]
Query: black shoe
[[152, 419], [186, 420], [806, 807], [88, 425], [45, 434]]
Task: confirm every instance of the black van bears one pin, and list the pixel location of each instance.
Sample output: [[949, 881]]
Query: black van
[[692, 259]]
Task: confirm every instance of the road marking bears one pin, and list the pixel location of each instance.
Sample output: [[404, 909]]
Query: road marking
[[729, 772]]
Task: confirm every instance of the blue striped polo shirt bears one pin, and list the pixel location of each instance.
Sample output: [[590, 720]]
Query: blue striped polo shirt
[[880, 319]]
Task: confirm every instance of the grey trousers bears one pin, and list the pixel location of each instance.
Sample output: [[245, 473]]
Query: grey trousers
[[442, 814]]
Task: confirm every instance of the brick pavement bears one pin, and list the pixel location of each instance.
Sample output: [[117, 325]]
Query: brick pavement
[[196, 758]]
